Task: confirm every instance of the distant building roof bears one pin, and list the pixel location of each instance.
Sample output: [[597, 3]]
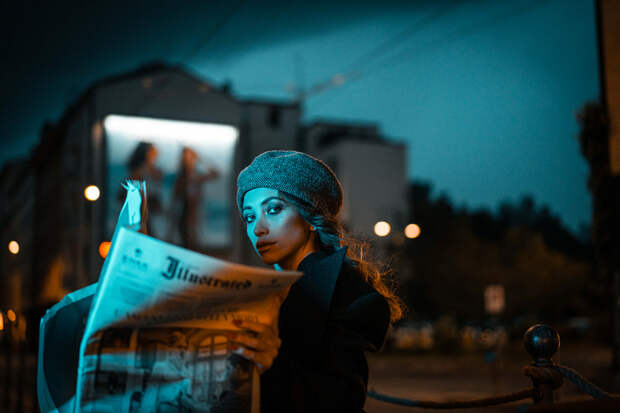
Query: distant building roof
[[325, 133], [53, 132], [151, 69], [270, 102]]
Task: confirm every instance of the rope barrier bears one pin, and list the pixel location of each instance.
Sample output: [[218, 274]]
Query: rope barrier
[[546, 375], [552, 375], [541, 341], [457, 404], [582, 383]]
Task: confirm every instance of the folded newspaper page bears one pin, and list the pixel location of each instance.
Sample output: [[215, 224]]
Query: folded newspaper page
[[62, 327], [156, 335]]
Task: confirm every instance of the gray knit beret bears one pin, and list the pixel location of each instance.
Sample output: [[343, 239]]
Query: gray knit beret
[[294, 173]]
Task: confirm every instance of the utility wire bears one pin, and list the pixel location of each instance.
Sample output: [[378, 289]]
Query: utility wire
[[356, 68], [390, 62], [400, 37], [458, 34], [161, 88], [213, 32]]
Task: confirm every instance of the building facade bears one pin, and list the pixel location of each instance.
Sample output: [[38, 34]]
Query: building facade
[[373, 173], [87, 147]]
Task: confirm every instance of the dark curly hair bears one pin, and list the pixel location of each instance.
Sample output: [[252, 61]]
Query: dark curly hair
[[331, 235], [138, 156]]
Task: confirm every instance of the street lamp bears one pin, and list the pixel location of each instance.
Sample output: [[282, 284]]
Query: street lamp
[[11, 316], [412, 231], [14, 247], [92, 193], [382, 228]]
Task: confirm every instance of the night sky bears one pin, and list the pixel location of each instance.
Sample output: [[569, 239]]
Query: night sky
[[484, 93]]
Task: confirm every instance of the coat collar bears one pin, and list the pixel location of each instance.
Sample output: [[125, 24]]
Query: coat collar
[[304, 312], [321, 271]]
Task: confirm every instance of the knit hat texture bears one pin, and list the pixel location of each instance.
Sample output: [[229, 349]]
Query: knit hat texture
[[295, 173]]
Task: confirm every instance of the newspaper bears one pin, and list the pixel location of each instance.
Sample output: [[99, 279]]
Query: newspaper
[[156, 336]]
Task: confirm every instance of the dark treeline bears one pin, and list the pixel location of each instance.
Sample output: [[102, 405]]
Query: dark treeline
[[545, 269]]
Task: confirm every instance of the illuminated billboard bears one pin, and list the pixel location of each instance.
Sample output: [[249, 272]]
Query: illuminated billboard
[[188, 169]]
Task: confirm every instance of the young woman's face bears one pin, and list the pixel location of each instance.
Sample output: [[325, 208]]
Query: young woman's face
[[277, 231]]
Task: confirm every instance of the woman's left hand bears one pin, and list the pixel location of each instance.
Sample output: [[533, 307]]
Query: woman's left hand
[[256, 342]]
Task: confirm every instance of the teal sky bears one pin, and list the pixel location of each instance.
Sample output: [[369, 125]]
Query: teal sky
[[484, 93]]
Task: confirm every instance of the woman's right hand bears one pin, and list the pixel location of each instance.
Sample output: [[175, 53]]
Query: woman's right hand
[[257, 342], [260, 342]]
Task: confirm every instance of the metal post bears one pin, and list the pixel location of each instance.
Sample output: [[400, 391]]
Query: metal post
[[542, 342], [7, 366], [21, 366], [615, 321], [3, 340]]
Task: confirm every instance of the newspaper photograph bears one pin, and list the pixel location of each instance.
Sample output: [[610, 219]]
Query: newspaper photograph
[[157, 335]]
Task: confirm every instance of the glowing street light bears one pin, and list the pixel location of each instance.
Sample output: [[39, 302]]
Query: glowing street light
[[92, 193], [412, 231], [11, 316], [382, 228], [14, 247], [104, 248]]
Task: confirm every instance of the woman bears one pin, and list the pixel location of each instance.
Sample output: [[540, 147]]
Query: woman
[[313, 360]]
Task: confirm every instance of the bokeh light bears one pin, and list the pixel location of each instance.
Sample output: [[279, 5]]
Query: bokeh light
[[92, 193], [104, 248], [412, 231], [382, 228], [11, 316], [14, 247]]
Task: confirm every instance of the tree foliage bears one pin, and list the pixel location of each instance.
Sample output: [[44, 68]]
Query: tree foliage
[[544, 268]]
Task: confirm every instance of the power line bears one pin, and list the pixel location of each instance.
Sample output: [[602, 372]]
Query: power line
[[339, 79], [213, 32], [355, 68], [193, 53], [458, 34], [394, 41]]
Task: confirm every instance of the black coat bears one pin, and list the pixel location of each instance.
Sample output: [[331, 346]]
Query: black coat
[[330, 317]]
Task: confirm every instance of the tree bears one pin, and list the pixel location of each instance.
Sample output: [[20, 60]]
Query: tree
[[461, 252]]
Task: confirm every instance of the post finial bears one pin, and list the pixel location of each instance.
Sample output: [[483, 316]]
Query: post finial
[[542, 342]]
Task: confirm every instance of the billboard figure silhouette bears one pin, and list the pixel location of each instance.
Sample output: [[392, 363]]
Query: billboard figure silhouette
[[141, 167], [187, 196]]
